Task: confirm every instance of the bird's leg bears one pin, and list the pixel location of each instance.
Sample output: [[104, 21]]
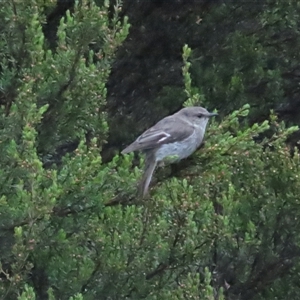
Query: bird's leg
[[169, 160], [161, 164]]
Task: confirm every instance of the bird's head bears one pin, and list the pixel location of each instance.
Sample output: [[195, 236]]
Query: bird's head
[[197, 115]]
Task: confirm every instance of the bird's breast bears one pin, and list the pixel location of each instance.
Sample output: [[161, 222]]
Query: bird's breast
[[181, 149]]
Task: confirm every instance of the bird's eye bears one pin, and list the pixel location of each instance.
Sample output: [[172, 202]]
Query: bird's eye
[[200, 116]]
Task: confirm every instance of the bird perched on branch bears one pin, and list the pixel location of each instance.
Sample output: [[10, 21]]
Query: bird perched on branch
[[173, 138]]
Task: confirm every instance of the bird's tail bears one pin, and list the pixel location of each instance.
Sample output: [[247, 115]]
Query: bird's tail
[[150, 166]]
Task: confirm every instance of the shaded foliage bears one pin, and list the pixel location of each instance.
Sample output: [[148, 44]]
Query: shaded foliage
[[224, 227], [243, 52]]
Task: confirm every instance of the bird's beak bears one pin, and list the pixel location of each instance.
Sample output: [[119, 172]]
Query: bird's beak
[[211, 115]]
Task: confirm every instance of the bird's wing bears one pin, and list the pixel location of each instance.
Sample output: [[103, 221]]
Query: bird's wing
[[166, 131]]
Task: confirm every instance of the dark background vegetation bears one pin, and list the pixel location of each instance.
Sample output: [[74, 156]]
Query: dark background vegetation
[[223, 227]]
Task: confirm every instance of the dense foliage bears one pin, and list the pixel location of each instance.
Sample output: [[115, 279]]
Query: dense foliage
[[224, 227], [243, 52]]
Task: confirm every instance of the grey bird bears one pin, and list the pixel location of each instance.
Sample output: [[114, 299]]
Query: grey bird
[[173, 138]]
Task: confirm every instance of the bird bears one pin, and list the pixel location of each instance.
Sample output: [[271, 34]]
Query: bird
[[172, 139]]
